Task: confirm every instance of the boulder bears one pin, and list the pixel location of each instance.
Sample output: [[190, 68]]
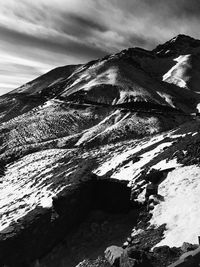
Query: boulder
[[41, 229], [133, 257], [27, 238], [188, 247], [113, 254], [35, 234], [151, 189], [162, 249], [125, 261]]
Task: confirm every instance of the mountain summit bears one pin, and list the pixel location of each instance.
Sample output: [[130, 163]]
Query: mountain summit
[[179, 44], [72, 140]]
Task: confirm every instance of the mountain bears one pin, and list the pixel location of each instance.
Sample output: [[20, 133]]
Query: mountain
[[77, 145]]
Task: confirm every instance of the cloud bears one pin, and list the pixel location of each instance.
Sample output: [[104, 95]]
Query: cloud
[[41, 34], [52, 43], [31, 35], [76, 24], [160, 19]]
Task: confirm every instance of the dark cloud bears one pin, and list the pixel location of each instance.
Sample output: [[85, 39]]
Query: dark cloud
[[140, 40], [160, 7], [19, 68], [62, 45], [85, 24], [161, 19], [59, 32], [177, 8]]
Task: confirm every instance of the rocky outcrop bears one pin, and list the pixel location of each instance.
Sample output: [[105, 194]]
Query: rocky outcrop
[[35, 234], [188, 259], [113, 255], [32, 236], [132, 257]]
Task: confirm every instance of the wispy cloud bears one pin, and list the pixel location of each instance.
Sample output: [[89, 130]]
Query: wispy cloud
[[41, 34]]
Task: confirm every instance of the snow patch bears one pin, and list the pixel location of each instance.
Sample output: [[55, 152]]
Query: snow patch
[[129, 172], [22, 190], [176, 74], [198, 107], [116, 159], [48, 104], [166, 97], [180, 210], [107, 77], [165, 164], [194, 134]]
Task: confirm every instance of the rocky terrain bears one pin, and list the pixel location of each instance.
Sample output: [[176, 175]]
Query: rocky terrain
[[77, 146]]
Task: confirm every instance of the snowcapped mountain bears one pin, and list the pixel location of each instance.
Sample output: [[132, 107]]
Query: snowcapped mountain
[[111, 119]]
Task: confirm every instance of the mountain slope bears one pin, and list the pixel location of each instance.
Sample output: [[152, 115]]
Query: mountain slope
[[124, 114], [36, 86], [132, 75], [32, 94]]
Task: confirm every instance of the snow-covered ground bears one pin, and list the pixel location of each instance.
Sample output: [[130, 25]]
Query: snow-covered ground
[[131, 170], [116, 159], [21, 190], [181, 189], [165, 164], [180, 209], [30, 181], [36, 178], [178, 73]]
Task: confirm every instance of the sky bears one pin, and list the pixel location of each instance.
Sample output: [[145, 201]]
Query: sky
[[39, 35]]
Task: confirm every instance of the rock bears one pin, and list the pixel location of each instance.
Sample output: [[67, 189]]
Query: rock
[[135, 242], [36, 233], [154, 199], [188, 247], [133, 257], [166, 252], [154, 176], [151, 189], [128, 239], [162, 249], [112, 196], [113, 254], [125, 244], [151, 207], [99, 262], [25, 239], [133, 253], [82, 264], [127, 262]]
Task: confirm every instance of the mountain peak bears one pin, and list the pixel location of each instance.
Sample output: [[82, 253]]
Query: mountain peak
[[181, 37], [179, 44]]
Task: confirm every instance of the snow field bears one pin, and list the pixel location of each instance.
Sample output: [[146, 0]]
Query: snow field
[[180, 210]]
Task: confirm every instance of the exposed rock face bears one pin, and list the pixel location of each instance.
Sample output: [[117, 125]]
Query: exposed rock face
[[113, 254], [132, 257], [188, 247], [41, 229], [28, 238], [35, 234]]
